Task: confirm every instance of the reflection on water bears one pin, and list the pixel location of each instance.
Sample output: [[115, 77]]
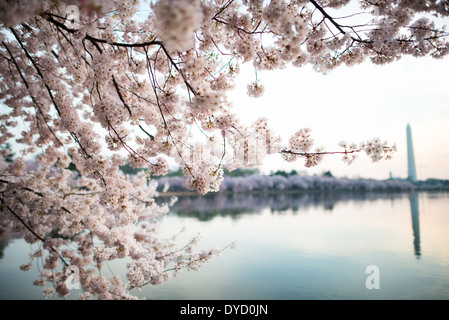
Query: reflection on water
[[316, 245], [207, 207], [414, 205], [235, 204], [303, 245]]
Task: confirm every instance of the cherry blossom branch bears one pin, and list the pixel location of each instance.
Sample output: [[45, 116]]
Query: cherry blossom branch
[[223, 8], [194, 263], [153, 83], [125, 145], [189, 86], [31, 96], [49, 17], [308, 154], [4, 205], [121, 96], [36, 68], [369, 42], [148, 134], [326, 15]]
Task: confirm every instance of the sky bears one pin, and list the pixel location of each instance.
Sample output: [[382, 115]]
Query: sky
[[356, 104]]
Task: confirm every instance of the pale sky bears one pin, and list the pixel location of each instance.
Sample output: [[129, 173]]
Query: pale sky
[[357, 104]]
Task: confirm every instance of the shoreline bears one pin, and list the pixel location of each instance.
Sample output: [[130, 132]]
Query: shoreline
[[291, 191]]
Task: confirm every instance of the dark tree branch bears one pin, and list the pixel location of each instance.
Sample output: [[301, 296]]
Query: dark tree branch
[[49, 17], [121, 96], [3, 205], [308, 154]]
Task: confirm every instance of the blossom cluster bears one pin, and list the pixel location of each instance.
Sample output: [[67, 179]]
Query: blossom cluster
[[255, 89], [378, 150], [176, 21], [203, 180]]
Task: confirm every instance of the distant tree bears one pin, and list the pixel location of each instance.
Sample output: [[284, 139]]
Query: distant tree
[[6, 152], [281, 173], [127, 169], [241, 172], [328, 174]]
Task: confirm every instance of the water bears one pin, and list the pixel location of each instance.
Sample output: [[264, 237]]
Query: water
[[310, 245]]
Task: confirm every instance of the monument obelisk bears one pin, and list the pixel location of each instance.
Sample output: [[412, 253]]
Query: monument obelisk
[[410, 155]]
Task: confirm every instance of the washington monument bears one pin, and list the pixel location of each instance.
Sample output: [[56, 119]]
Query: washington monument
[[410, 156]]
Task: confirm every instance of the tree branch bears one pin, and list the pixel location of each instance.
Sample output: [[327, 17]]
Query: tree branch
[[49, 17], [3, 205]]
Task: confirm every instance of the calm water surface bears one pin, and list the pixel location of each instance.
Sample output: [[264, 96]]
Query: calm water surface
[[295, 246]]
